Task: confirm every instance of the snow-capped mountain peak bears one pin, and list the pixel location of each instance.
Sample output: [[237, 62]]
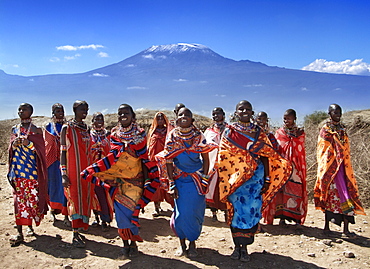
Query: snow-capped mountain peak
[[177, 48]]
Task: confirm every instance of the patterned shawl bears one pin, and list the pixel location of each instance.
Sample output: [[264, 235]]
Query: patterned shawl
[[237, 165], [333, 150]]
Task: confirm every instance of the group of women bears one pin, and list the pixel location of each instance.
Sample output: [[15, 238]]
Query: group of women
[[240, 168]]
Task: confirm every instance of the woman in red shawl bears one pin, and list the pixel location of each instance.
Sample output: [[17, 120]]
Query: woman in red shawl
[[291, 201], [27, 173], [75, 143], [156, 140]]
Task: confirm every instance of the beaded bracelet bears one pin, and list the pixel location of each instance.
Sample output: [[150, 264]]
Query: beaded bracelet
[[63, 147], [63, 169], [169, 160], [267, 180], [30, 145]]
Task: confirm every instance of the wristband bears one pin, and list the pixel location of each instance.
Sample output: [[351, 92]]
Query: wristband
[[267, 180], [63, 147], [169, 160]]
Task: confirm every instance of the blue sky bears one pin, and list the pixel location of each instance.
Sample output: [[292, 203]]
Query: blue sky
[[50, 37]]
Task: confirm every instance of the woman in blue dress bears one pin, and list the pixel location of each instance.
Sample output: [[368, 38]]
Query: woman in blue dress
[[185, 164]]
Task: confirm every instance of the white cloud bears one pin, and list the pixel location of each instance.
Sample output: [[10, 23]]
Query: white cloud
[[180, 80], [355, 67], [68, 58], [136, 88], [74, 48], [103, 54], [253, 85], [220, 95], [54, 59], [130, 65], [99, 75], [15, 65]]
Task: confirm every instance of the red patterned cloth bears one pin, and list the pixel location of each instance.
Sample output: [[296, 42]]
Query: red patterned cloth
[[291, 201]]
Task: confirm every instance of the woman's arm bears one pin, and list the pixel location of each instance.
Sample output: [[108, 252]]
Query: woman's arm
[[266, 167], [173, 190], [205, 163], [63, 157]]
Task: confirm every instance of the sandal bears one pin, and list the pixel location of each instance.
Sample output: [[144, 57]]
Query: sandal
[[78, 243], [192, 252], [67, 222], [125, 251], [29, 231], [105, 227], [244, 256], [236, 254], [133, 251], [349, 235], [16, 240]]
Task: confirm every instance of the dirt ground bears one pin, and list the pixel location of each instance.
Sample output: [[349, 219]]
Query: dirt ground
[[276, 247]]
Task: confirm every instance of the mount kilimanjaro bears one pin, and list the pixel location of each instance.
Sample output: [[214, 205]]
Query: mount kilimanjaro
[[162, 76]]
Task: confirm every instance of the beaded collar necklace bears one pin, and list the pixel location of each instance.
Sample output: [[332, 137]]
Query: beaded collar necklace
[[126, 133], [79, 124], [338, 128], [219, 127], [26, 120], [99, 134], [161, 131], [292, 131], [28, 130], [54, 123], [245, 127], [186, 134]]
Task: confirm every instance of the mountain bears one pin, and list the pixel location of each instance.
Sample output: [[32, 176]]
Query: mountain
[[162, 76]]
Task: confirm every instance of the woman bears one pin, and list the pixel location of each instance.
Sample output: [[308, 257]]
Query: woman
[[57, 199], [262, 120], [213, 134], [291, 201], [124, 171], [156, 140], [27, 173], [336, 192], [100, 147], [75, 143], [246, 159], [187, 175]]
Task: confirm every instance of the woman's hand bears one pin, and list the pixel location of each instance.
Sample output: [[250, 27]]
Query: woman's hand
[[174, 193], [65, 181], [265, 187]]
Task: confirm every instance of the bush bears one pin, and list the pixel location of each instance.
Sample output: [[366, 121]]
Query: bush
[[315, 118]]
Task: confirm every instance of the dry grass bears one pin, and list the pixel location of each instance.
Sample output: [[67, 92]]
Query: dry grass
[[358, 128]]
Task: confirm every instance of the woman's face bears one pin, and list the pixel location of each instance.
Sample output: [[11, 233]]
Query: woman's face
[[98, 121], [184, 118], [289, 120], [244, 112], [81, 112], [59, 113], [336, 114], [160, 120], [125, 116], [24, 112], [218, 116], [262, 121]]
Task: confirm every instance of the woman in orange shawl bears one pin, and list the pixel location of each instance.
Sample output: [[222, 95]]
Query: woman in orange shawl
[[247, 161], [75, 144], [156, 140], [336, 191], [291, 201]]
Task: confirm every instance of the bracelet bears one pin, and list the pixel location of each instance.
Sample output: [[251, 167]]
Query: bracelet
[[63, 169], [30, 145], [169, 160], [63, 147], [267, 180]]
